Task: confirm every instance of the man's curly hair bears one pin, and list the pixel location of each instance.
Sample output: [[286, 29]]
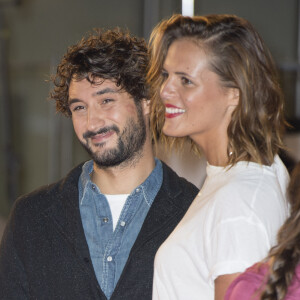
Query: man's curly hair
[[114, 54]]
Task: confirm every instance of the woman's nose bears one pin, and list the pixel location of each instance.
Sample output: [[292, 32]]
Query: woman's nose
[[167, 89]]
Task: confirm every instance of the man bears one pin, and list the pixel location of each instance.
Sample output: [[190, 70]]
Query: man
[[94, 234]]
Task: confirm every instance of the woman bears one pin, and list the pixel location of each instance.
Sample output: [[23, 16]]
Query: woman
[[214, 84], [279, 277]]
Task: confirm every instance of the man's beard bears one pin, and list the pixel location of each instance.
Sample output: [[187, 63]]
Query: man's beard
[[129, 144]]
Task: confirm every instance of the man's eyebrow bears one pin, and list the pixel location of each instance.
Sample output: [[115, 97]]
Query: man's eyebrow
[[105, 91], [71, 101], [101, 92]]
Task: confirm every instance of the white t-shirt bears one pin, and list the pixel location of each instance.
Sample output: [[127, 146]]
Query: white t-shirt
[[116, 204], [231, 224]]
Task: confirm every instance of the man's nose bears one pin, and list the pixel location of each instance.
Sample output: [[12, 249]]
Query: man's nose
[[95, 120]]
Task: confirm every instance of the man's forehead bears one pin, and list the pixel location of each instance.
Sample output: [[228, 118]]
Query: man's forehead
[[98, 81], [99, 85]]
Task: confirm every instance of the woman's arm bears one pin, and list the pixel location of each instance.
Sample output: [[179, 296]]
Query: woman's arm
[[222, 283]]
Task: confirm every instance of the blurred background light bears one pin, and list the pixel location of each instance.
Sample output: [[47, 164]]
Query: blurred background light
[[187, 7]]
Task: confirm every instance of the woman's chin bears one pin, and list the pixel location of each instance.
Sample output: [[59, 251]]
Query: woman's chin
[[172, 133]]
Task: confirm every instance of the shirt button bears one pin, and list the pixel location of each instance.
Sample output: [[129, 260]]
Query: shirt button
[[109, 258], [123, 223], [93, 187], [137, 190], [86, 260], [105, 220]]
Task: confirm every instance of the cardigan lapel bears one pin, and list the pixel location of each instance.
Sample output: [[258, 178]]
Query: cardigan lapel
[[66, 218], [168, 204], [166, 211]]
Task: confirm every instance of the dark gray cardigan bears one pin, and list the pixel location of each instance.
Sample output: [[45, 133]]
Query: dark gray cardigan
[[44, 254]]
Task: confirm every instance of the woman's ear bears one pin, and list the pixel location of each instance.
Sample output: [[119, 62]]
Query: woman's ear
[[233, 96]]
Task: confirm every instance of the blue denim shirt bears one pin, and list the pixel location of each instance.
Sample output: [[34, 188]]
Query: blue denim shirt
[[110, 249]]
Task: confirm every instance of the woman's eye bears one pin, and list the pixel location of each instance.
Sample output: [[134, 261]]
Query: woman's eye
[[185, 81], [164, 75]]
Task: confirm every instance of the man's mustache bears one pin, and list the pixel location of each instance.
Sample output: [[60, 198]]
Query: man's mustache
[[89, 134]]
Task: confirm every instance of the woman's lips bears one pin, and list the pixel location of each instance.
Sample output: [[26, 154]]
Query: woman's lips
[[173, 111]]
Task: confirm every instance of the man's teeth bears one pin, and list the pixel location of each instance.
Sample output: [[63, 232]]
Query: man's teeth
[[172, 110], [103, 133]]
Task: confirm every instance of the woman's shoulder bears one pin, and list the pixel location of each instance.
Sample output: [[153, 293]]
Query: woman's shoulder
[[247, 180]]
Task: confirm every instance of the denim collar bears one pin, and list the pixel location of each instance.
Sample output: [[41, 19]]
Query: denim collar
[[149, 187]]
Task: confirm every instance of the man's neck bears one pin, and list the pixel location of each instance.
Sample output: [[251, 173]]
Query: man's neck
[[124, 178]]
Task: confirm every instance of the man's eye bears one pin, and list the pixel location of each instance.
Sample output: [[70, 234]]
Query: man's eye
[[108, 100], [77, 108]]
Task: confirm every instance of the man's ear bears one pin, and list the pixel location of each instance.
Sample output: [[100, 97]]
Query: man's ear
[[146, 106]]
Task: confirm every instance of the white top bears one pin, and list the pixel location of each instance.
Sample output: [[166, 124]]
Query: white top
[[231, 224], [116, 203]]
